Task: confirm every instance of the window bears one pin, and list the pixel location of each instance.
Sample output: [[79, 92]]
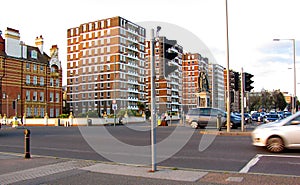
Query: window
[[57, 97], [42, 81], [108, 76], [51, 97], [34, 98], [57, 82], [57, 112], [51, 112], [42, 112], [34, 80], [41, 96], [33, 54], [34, 67], [27, 66], [28, 112], [35, 111], [27, 79], [51, 82], [27, 95]]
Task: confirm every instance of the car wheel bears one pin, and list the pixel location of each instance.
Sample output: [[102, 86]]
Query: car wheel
[[275, 144], [194, 124]]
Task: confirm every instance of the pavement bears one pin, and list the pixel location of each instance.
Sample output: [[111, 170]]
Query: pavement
[[15, 169]]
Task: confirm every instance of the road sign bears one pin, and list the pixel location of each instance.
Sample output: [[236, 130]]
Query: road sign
[[114, 106]]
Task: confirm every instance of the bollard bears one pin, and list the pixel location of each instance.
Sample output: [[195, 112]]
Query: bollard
[[27, 144], [219, 122]]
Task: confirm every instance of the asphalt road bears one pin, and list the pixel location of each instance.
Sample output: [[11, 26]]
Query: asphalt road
[[132, 145]]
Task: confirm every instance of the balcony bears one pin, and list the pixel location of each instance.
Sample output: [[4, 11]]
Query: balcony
[[54, 74]]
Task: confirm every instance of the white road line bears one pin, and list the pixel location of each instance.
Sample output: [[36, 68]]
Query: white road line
[[254, 160], [251, 163]]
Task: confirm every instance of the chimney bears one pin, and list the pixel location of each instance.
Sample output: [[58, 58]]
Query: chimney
[[39, 42], [54, 51], [12, 42]]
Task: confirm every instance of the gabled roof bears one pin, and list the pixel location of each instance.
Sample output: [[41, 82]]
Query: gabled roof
[[41, 57]]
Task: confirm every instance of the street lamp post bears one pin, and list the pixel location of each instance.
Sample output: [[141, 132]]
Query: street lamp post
[[227, 73], [294, 62]]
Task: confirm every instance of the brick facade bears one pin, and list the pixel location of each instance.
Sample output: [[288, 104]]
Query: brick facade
[[28, 77]]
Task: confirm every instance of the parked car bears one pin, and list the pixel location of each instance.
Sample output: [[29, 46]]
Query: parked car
[[276, 136], [235, 121], [248, 118], [201, 117], [286, 114], [255, 116], [271, 117]]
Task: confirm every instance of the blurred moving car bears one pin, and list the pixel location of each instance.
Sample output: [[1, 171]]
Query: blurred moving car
[[278, 135], [200, 117]]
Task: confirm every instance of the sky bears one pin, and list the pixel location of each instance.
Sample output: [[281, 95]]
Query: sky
[[252, 26]]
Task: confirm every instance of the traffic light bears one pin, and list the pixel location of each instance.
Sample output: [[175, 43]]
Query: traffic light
[[248, 82], [169, 56], [236, 81], [231, 80]]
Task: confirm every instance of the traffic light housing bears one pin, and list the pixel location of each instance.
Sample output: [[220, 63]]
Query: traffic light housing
[[169, 56], [248, 82], [236, 81]]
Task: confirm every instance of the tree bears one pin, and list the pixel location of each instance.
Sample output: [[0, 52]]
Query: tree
[[268, 101]]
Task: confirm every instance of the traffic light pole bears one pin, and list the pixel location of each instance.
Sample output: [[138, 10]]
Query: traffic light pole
[[228, 83], [153, 102], [242, 100]]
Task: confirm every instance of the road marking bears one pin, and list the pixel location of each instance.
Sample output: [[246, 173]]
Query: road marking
[[254, 160], [41, 171], [251, 163]]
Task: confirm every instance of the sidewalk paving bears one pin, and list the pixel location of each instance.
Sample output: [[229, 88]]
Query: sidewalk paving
[[49, 170]]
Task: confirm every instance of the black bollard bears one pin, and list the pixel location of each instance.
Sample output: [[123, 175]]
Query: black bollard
[[27, 144]]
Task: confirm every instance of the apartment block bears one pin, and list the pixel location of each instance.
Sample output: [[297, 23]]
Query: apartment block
[[106, 66], [168, 88], [30, 80], [216, 81], [193, 64]]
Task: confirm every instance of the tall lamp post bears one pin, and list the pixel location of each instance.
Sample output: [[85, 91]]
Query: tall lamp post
[[294, 58], [227, 73]]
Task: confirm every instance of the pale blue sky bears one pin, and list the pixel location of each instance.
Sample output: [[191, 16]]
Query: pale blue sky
[[253, 24]]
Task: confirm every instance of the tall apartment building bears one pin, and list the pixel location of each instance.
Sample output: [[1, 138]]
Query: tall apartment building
[[105, 66], [216, 81], [30, 80], [193, 64], [168, 89]]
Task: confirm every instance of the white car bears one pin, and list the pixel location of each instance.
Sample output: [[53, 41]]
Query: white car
[[276, 136]]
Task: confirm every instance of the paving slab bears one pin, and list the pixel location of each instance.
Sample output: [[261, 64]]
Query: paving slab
[[167, 174]]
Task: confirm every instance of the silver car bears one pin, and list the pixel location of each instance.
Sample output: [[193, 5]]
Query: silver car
[[201, 117], [276, 136]]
